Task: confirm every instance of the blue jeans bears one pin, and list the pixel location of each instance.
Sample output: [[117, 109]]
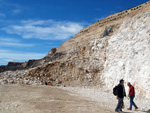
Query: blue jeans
[[132, 102], [119, 105]]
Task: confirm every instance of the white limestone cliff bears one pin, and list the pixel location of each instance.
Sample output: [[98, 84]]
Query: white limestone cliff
[[128, 54]]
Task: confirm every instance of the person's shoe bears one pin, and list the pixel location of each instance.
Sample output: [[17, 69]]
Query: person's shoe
[[128, 109], [117, 111], [120, 111], [135, 109]]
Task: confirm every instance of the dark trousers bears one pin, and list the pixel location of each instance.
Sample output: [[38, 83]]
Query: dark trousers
[[132, 102], [119, 105]]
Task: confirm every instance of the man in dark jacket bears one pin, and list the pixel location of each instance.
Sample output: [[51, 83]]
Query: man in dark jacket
[[120, 95], [131, 95]]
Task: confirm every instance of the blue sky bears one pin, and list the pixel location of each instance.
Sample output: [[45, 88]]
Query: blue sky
[[30, 28]]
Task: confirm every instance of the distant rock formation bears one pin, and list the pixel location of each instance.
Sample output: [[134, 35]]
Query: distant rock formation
[[13, 66]]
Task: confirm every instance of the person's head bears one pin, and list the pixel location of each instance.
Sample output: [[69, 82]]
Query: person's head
[[129, 84], [122, 81]]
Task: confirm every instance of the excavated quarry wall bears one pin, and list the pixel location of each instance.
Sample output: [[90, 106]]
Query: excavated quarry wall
[[128, 54], [103, 62], [95, 30], [97, 60]]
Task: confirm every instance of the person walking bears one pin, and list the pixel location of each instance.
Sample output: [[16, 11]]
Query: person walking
[[131, 95], [120, 94]]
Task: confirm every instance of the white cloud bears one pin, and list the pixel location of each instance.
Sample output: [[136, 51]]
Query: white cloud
[[6, 55], [45, 29], [21, 56], [2, 50], [8, 60], [8, 39], [13, 42]]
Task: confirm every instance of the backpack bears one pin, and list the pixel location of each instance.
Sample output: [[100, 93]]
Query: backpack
[[115, 90]]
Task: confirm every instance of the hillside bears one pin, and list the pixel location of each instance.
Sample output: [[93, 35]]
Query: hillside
[[98, 56]]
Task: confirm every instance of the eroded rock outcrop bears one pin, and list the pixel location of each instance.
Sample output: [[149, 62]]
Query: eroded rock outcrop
[[13, 66]]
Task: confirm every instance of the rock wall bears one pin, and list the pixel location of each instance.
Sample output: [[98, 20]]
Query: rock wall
[[76, 69], [103, 62], [128, 54]]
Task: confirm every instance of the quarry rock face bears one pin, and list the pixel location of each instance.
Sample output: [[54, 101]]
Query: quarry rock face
[[98, 56], [128, 54]]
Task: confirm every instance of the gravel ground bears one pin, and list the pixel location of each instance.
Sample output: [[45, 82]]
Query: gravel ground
[[108, 100], [45, 99]]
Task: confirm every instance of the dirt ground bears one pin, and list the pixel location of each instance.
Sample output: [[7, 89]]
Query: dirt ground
[[45, 99]]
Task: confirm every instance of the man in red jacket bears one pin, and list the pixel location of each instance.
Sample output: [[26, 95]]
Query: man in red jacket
[[131, 95]]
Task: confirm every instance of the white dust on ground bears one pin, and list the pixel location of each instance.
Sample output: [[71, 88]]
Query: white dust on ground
[[108, 100]]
